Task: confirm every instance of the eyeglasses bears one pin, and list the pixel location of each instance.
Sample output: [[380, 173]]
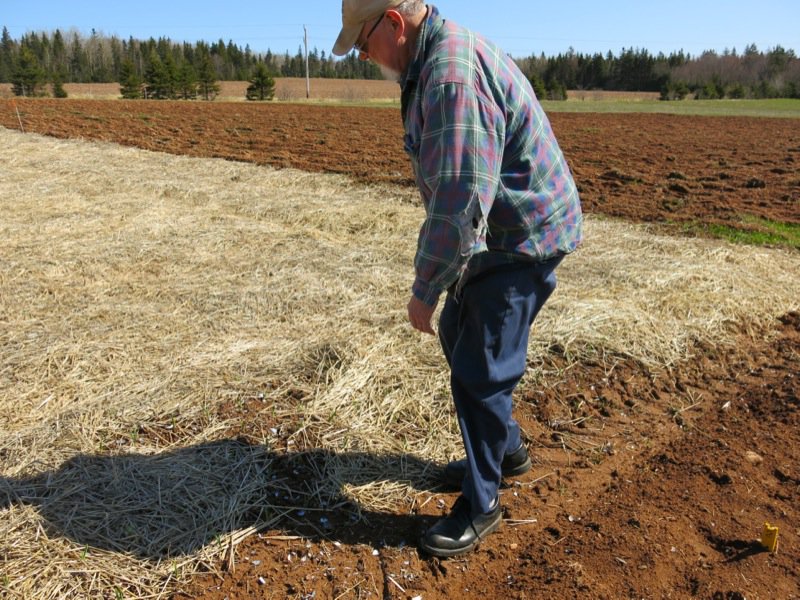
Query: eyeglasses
[[362, 48]]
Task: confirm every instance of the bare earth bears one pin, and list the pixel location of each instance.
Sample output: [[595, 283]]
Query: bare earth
[[679, 517], [672, 507]]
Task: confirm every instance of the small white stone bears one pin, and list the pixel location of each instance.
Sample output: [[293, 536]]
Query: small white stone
[[753, 458]]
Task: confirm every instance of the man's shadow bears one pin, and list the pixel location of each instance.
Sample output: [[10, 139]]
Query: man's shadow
[[175, 503]]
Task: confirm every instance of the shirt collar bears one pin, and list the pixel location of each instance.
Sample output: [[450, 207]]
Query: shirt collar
[[430, 27]]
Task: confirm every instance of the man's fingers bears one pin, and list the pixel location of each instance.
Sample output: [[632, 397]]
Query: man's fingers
[[424, 328], [419, 315]]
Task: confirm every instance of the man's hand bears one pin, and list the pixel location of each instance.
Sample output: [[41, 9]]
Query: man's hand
[[420, 314]]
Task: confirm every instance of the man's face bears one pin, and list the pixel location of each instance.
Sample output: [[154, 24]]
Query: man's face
[[374, 44], [362, 43]]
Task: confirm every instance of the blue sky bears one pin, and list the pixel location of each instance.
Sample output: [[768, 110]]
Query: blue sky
[[520, 27]]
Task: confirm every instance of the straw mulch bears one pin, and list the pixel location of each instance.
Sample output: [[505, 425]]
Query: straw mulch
[[139, 292]]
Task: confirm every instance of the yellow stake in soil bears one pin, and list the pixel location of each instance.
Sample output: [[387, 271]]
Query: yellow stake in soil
[[769, 538]]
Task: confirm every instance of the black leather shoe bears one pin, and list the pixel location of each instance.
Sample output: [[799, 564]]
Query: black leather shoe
[[513, 465], [459, 532]]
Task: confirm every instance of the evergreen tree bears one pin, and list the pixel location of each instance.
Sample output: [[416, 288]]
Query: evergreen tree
[[6, 56], [28, 76], [153, 74], [286, 65], [39, 48], [159, 77], [208, 88], [737, 92], [117, 56], [326, 66], [188, 53], [556, 90], [59, 62], [269, 62], [58, 86], [674, 90], [130, 82], [79, 62], [186, 82], [538, 86], [314, 63], [170, 81], [221, 62], [262, 84]]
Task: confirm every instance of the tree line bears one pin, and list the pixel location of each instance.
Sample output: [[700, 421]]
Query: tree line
[[40, 63], [753, 73]]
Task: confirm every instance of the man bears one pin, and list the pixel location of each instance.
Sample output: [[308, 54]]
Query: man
[[501, 210]]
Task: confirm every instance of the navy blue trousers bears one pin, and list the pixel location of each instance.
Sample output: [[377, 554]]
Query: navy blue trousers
[[484, 334]]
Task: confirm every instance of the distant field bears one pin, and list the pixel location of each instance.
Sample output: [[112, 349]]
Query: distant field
[[286, 89], [378, 93], [605, 96]]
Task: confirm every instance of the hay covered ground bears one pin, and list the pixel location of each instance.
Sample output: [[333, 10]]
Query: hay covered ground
[[205, 368]]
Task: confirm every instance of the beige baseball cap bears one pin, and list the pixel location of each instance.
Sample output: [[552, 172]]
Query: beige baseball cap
[[354, 14]]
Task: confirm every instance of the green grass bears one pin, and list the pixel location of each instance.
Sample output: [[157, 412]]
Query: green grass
[[782, 107], [758, 232]]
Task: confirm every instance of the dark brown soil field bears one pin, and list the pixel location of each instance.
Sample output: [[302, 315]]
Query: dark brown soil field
[[643, 167], [674, 508]]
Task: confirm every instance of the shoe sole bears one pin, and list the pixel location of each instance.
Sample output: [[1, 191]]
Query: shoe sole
[[519, 470], [451, 552]]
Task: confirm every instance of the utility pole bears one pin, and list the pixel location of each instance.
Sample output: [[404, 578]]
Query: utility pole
[[308, 79]]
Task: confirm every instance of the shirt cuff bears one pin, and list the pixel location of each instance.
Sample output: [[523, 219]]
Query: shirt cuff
[[425, 292]]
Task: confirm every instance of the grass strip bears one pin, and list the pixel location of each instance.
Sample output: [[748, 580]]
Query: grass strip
[[754, 231], [775, 108]]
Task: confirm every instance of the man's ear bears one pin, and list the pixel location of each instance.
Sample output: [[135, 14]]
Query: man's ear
[[398, 24]]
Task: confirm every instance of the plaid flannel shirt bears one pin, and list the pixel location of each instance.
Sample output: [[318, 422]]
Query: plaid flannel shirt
[[493, 180]]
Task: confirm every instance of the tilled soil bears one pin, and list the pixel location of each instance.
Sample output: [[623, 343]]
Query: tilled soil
[[645, 484], [643, 167]]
